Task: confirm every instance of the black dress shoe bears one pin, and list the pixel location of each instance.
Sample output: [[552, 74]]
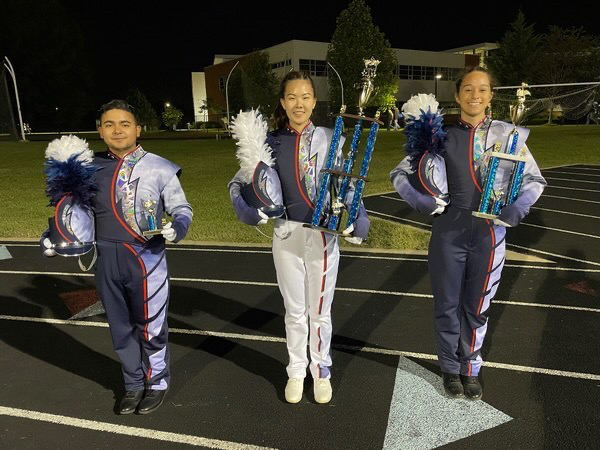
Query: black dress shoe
[[452, 385], [151, 401], [472, 387], [130, 402]]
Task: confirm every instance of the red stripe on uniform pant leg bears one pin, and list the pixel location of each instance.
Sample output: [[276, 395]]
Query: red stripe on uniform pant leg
[[145, 287], [149, 373], [324, 278], [319, 335], [490, 265]]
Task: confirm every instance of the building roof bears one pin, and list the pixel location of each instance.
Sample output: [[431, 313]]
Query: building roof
[[483, 45]]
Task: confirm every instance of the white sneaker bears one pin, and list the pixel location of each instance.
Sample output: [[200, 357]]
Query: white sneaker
[[322, 390], [293, 390]]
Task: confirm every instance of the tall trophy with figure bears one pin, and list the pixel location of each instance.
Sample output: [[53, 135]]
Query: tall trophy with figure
[[336, 183], [504, 160]]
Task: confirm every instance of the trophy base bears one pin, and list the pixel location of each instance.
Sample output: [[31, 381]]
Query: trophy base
[[501, 155], [344, 174], [324, 230], [484, 215], [152, 232], [368, 119]]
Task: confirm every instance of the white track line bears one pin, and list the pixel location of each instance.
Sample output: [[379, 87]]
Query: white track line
[[572, 173], [580, 168], [565, 212], [541, 252], [533, 207], [569, 198], [395, 218], [560, 230], [569, 179], [125, 430], [384, 293], [522, 223], [571, 188], [382, 351]]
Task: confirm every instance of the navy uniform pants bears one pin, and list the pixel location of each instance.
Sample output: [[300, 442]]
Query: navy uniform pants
[[133, 284], [466, 256]]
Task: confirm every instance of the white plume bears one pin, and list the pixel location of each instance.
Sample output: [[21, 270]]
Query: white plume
[[67, 146], [417, 103], [250, 130]]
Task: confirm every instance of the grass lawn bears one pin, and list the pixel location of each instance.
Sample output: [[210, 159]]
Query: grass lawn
[[209, 164]]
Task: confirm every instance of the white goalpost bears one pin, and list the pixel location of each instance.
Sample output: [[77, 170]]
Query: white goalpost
[[570, 101]]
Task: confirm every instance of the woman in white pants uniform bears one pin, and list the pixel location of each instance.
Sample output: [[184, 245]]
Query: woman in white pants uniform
[[306, 260]]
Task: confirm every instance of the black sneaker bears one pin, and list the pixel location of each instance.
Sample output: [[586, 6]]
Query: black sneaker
[[452, 385], [151, 401], [130, 402], [472, 387]]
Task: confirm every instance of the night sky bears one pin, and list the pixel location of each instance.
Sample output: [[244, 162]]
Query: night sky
[[155, 46]]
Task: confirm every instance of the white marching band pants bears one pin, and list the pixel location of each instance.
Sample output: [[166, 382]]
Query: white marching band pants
[[306, 262]]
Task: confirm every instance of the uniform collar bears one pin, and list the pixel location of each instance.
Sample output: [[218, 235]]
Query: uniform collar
[[309, 128], [138, 149], [485, 122]]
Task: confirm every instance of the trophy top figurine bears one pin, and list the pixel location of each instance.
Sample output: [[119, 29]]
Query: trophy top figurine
[[366, 83], [149, 204], [517, 110]]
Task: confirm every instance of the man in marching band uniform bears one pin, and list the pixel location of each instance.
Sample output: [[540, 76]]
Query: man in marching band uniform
[[135, 189]]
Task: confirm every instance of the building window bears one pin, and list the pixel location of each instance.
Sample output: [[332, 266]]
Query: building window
[[222, 81], [315, 67], [277, 65], [405, 72], [426, 72]]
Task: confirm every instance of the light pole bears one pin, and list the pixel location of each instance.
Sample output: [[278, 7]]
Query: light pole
[[227, 94], [437, 79], [11, 71]]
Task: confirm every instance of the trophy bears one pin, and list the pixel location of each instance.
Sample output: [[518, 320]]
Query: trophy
[[149, 208], [335, 183], [502, 169]]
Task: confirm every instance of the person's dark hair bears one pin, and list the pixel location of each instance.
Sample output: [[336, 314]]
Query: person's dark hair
[[281, 117], [469, 70], [118, 104]]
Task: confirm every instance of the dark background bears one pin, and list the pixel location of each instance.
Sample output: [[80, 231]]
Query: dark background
[[75, 56]]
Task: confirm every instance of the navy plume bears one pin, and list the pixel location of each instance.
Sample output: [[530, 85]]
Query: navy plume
[[72, 177], [425, 134]]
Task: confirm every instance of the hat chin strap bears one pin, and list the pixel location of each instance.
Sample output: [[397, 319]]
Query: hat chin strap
[[82, 266]]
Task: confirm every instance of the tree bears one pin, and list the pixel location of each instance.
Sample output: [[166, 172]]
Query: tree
[[171, 116], [569, 55], [253, 84], [516, 59], [146, 114], [354, 39]]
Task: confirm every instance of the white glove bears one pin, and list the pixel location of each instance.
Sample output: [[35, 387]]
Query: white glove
[[441, 206], [263, 217], [168, 232], [49, 250], [501, 223], [349, 238]]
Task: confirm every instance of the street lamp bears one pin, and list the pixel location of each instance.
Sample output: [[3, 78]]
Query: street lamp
[[437, 79], [167, 105]]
